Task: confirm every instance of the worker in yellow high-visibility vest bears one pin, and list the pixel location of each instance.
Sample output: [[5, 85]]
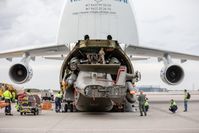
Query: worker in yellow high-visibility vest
[[58, 99], [8, 97]]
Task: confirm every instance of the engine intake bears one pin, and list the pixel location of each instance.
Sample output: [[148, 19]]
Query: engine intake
[[172, 74], [20, 73]]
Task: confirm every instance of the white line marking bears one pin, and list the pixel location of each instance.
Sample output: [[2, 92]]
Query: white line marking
[[135, 129]]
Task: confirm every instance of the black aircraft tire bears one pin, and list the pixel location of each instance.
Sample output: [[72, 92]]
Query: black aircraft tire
[[71, 107], [66, 108]]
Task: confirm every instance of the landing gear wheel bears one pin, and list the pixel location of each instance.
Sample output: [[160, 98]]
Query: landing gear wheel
[[66, 108], [74, 109], [71, 107], [21, 113], [37, 112]]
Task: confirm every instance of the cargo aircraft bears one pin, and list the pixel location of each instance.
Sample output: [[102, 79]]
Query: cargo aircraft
[[97, 41]]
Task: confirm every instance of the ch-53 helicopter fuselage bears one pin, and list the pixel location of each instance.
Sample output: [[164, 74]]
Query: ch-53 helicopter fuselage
[[97, 75]]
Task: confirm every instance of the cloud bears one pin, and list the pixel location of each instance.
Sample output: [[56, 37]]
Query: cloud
[[28, 24], [34, 23], [169, 23]]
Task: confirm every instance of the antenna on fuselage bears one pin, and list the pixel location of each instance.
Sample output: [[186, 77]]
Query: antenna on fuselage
[[109, 37], [86, 37]]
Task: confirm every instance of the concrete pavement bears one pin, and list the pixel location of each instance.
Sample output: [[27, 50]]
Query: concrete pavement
[[158, 120]]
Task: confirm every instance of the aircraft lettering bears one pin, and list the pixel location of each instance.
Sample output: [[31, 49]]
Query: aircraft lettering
[[96, 8], [74, 0], [98, 1], [124, 1]]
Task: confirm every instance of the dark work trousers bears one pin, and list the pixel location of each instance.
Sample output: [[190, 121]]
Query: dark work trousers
[[8, 108], [185, 105], [173, 109], [142, 109], [57, 104]]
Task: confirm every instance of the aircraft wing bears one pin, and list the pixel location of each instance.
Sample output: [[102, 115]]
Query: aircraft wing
[[56, 57], [36, 51], [152, 52]]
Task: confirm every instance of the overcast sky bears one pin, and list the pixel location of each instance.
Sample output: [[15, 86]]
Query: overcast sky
[[166, 24]]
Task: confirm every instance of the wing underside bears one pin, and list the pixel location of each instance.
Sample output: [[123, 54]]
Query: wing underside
[[36, 51], [152, 52]]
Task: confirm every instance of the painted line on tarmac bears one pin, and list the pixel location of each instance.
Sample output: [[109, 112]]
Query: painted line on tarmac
[[167, 101], [96, 130]]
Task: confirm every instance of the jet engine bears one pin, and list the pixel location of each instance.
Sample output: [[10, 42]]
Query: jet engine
[[20, 73], [172, 74]]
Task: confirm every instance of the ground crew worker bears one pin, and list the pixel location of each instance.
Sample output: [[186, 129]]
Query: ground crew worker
[[185, 100], [173, 106], [141, 99], [8, 97], [58, 98], [17, 106], [101, 56], [1, 93], [13, 96], [146, 104]]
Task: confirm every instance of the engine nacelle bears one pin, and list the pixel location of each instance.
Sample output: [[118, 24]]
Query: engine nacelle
[[20, 73], [172, 74]]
